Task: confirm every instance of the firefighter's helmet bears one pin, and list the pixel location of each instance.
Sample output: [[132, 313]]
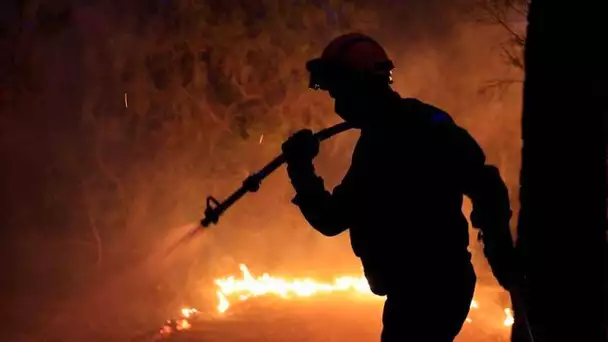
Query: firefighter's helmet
[[349, 59]]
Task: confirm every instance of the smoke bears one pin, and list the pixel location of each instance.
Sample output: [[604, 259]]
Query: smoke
[[119, 118]]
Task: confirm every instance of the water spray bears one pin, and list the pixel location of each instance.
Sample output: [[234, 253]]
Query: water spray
[[252, 183]]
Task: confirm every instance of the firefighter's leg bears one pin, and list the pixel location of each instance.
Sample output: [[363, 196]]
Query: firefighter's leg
[[435, 313]]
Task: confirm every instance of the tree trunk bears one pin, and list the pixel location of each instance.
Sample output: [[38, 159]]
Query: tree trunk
[[562, 222]]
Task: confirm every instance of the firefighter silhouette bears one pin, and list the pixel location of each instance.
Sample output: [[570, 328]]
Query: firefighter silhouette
[[401, 199]]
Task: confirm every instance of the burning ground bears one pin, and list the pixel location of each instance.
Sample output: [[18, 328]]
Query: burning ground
[[314, 304]]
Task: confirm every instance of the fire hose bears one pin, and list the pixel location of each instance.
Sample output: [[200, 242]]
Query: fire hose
[[252, 183]]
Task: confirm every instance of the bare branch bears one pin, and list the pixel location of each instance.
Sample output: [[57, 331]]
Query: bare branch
[[501, 12], [498, 86], [500, 19], [522, 11], [513, 56]]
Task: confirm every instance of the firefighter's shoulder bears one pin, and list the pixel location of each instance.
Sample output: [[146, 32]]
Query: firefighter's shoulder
[[427, 111]]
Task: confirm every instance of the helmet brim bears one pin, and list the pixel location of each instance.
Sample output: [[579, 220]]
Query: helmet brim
[[322, 74]]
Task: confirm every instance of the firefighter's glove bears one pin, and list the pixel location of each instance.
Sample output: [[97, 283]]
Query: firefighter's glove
[[301, 148], [504, 262]]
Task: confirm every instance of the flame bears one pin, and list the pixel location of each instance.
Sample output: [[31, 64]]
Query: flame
[[248, 286], [180, 324], [183, 324], [509, 320], [223, 303], [189, 312]]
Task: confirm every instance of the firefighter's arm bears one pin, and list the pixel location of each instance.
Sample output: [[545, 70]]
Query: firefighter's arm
[[491, 212], [324, 211]]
